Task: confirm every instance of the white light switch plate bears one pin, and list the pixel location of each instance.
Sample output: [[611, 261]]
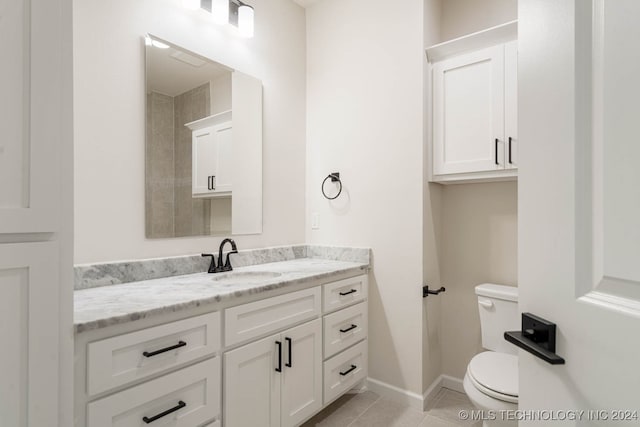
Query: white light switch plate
[[315, 221]]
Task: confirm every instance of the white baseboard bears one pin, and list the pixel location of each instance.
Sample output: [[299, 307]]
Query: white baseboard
[[411, 399], [452, 383], [396, 394]]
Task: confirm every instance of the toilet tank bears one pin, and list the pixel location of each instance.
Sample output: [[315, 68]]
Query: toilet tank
[[498, 306]]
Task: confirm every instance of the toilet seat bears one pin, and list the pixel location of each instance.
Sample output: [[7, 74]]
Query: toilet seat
[[496, 375]]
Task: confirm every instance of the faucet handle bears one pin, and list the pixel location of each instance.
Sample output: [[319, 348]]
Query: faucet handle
[[227, 264], [212, 266]]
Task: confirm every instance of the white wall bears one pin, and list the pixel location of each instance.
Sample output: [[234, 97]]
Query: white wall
[[479, 221], [461, 17], [109, 119], [365, 64]]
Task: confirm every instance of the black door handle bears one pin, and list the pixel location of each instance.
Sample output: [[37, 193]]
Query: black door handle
[[348, 329], [510, 161], [348, 370], [164, 350], [179, 406], [279, 368], [289, 364], [352, 291], [497, 162]]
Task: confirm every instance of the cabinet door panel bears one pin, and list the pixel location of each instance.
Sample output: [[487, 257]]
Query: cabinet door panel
[[302, 373], [469, 112], [31, 117], [511, 103], [252, 385], [29, 333]]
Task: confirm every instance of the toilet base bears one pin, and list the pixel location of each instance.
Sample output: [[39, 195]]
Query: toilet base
[[490, 405]]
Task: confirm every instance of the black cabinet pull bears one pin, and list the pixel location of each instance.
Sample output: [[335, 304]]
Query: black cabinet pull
[[510, 161], [349, 292], [497, 163], [348, 370], [209, 182], [349, 328], [164, 350], [289, 364], [179, 406], [279, 368], [213, 182]]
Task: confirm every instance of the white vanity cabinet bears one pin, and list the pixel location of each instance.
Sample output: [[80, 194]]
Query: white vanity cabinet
[[275, 362], [276, 381], [212, 152], [474, 107]]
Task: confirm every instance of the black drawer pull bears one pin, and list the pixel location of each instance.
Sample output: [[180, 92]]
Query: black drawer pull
[[164, 350], [352, 291], [497, 162], [348, 370], [344, 331], [279, 368], [289, 364], [179, 406]]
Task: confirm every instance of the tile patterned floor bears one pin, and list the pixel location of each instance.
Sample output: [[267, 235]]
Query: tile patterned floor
[[367, 409]]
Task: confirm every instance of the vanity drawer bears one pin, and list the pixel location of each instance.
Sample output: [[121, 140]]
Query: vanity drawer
[[344, 328], [344, 292], [344, 371], [193, 393], [255, 319], [125, 358]]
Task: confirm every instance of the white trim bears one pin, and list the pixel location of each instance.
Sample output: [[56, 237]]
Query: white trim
[[412, 399], [492, 36], [452, 383], [396, 394], [430, 394]]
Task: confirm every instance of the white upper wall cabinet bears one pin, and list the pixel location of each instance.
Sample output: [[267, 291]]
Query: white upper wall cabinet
[[474, 107]]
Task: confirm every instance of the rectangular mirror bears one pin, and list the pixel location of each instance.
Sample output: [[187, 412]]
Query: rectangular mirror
[[203, 146]]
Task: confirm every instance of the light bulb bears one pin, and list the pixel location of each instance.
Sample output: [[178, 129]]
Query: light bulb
[[245, 21], [220, 11], [191, 4]]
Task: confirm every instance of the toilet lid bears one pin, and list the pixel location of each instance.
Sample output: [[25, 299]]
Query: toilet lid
[[496, 374]]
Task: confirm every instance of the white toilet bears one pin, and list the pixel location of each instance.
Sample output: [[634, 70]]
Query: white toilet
[[491, 381]]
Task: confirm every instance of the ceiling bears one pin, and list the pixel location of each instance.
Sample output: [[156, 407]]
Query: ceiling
[[173, 71]]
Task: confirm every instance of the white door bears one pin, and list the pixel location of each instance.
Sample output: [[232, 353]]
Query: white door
[[468, 96], [252, 384], [36, 279], [302, 374], [579, 202], [511, 105], [29, 356]]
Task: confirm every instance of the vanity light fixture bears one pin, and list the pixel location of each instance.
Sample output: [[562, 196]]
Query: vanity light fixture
[[245, 20], [220, 11], [191, 4]]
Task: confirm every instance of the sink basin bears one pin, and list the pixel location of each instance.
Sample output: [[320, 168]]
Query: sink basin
[[245, 277]]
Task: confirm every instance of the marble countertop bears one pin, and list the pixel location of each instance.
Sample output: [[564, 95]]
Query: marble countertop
[[100, 307]]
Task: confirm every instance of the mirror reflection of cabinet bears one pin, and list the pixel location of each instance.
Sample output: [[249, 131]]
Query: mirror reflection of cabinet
[[203, 145], [212, 145]]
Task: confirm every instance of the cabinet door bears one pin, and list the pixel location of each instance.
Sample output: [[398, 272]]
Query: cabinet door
[[32, 121], [302, 375], [29, 333], [469, 112], [252, 384], [511, 104], [211, 160]]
